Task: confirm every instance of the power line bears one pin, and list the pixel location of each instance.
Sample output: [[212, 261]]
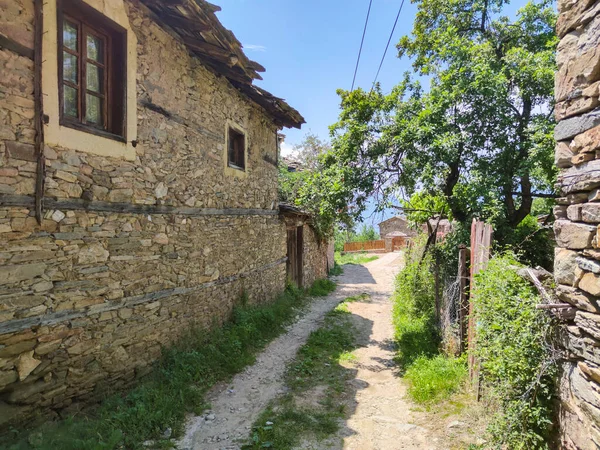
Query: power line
[[361, 44], [388, 44]]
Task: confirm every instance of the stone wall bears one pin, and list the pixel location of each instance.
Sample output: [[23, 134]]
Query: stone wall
[[395, 224], [315, 262], [577, 264], [129, 253]]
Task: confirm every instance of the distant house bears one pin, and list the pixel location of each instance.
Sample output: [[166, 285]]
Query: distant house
[[443, 227], [396, 232]]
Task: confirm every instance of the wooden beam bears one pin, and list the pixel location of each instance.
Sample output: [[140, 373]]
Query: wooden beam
[[14, 46], [130, 208], [39, 110]]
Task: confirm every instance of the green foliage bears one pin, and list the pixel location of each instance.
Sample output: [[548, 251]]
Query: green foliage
[[287, 421], [366, 233], [178, 382], [353, 258], [479, 139], [336, 270], [531, 243], [423, 206], [431, 376], [514, 347], [434, 379], [307, 190], [414, 309]]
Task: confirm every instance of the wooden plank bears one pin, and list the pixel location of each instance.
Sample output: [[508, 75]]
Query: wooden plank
[[39, 111], [98, 206], [14, 46], [481, 241], [12, 326], [364, 246]]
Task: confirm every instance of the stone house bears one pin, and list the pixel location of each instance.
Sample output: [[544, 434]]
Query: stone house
[[396, 232], [138, 191], [577, 261]]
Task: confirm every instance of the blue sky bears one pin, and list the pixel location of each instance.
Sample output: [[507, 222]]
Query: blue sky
[[309, 48]]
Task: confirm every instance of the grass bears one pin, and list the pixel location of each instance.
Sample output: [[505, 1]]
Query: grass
[[432, 376], [177, 384], [321, 288], [431, 380], [337, 270], [305, 411], [354, 258]]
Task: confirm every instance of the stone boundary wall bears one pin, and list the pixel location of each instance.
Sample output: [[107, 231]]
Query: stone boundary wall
[[315, 263], [129, 254], [577, 263]]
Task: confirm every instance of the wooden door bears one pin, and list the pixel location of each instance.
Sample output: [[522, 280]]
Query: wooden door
[[295, 242]]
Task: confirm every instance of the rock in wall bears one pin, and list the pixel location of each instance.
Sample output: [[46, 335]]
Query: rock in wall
[[577, 262], [129, 254]]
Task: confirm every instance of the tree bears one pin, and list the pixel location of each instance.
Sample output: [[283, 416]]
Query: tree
[[480, 138], [310, 149], [367, 233], [308, 190]]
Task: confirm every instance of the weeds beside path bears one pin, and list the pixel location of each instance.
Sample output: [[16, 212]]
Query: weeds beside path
[[236, 405], [156, 407]]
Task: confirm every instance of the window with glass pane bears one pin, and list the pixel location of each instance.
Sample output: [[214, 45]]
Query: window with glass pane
[[237, 149], [91, 65]]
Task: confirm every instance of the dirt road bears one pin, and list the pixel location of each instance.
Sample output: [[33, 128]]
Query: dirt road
[[379, 415]]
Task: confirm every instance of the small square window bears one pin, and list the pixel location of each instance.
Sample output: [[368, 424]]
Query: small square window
[[237, 149], [92, 67]]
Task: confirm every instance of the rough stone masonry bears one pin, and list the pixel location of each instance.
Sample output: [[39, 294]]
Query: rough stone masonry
[[129, 253], [577, 264]]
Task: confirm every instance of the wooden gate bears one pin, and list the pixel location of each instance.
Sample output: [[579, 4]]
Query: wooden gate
[[295, 244], [398, 243]]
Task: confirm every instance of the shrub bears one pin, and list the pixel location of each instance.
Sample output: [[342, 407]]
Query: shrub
[[431, 376], [531, 243], [513, 344], [414, 309]]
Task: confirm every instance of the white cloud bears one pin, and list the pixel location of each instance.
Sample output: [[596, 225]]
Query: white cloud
[[287, 149], [255, 48]]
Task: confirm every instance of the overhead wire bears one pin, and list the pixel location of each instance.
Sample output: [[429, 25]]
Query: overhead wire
[[361, 43], [388, 44]]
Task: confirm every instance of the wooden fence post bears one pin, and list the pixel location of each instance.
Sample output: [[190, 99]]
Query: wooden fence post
[[463, 299], [481, 241]]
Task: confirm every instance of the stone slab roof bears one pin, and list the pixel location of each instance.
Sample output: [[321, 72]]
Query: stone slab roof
[[195, 22]]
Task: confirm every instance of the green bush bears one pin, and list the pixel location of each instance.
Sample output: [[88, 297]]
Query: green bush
[[513, 342], [434, 379], [416, 332], [431, 376], [531, 243]]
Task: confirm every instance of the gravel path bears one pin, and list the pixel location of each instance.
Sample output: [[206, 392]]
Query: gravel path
[[236, 405], [379, 415]]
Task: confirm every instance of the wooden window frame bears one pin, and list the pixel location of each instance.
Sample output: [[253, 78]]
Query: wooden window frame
[[233, 134], [90, 22]]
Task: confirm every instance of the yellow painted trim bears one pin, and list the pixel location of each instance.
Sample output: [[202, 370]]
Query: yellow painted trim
[[230, 171], [57, 135]]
